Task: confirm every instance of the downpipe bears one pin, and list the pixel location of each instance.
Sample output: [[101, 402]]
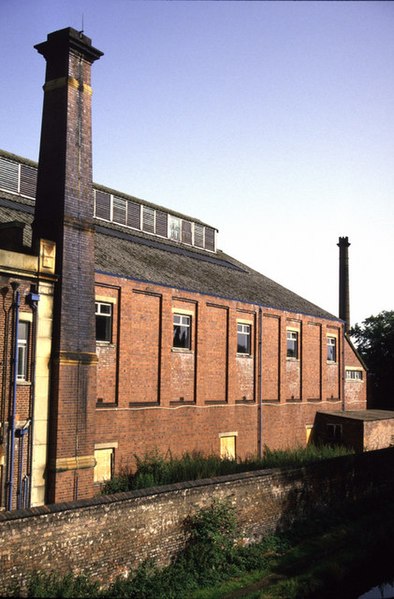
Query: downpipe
[[260, 378], [11, 430]]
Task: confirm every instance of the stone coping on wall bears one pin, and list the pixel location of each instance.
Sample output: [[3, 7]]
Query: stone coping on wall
[[292, 472]]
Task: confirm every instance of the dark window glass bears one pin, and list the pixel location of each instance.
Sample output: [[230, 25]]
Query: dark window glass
[[292, 344], [243, 339], [103, 322], [182, 331]]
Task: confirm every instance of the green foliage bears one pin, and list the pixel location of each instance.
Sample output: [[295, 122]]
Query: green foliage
[[54, 585], [210, 551], [374, 338], [154, 469]]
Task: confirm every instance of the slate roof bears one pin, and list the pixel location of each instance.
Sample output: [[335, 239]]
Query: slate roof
[[138, 256]]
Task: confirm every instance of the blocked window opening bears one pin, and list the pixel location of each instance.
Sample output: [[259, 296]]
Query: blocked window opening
[[103, 469], [228, 447]]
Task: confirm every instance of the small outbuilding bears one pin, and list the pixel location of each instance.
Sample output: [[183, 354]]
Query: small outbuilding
[[362, 430]]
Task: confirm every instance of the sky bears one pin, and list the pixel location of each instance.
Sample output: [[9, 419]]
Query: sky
[[271, 121]]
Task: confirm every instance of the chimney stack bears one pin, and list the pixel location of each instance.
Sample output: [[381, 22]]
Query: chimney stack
[[344, 302], [64, 214]]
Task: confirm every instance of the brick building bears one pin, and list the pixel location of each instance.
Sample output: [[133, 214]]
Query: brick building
[[153, 337]]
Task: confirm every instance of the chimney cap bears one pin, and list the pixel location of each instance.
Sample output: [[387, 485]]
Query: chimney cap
[[68, 39], [343, 242]]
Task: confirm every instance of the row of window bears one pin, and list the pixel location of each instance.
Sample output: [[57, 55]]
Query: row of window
[[292, 350], [182, 334], [22, 179], [151, 220]]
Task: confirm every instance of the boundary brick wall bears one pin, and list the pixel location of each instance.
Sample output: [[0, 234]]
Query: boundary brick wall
[[108, 536]]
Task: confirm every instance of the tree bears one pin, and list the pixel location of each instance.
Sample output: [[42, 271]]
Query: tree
[[374, 339]]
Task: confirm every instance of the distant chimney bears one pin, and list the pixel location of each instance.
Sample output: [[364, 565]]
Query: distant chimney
[[64, 214], [344, 303]]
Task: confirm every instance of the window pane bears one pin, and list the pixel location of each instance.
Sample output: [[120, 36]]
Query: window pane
[[243, 339], [103, 322], [292, 344], [181, 331], [174, 228], [331, 349], [23, 334]]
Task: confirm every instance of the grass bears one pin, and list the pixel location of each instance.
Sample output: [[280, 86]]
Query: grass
[[155, 469], [340, 558]]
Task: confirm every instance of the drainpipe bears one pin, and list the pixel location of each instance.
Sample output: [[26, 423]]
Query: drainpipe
[[11, 444], [32, 299], [343, 369], [260, 380], [20, 433], [3, 418]]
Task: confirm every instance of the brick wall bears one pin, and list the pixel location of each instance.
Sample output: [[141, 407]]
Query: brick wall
[[183, 400], [108, 536]]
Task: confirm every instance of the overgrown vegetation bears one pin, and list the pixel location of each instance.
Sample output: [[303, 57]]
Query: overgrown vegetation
[[317, 558], [155, 469], [211, 555]]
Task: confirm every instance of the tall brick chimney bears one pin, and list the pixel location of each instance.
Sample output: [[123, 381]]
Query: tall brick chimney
[[64, 214], [344, 302]]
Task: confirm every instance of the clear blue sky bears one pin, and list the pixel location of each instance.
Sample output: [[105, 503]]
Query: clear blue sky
[[272, 121]]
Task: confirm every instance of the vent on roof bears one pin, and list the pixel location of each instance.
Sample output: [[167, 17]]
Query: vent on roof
[[28, 181], [154, 221], [19, 178], [102, 205], [187, 232], [148, 219], [161, 223], [133, 215], [119, 210]]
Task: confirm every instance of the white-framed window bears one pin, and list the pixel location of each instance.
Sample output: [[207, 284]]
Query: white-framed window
[[292, 350], [331, 349], [182, 331], [354, 375], [244, 338], [103, 311], [23, 345], [174, 228]]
